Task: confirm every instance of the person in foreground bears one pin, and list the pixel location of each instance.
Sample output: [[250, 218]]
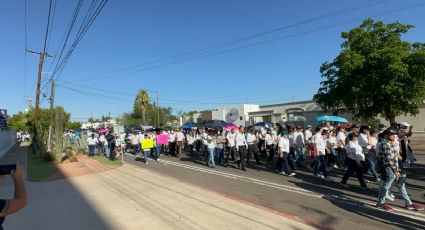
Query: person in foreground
[[19, 201], [388, 161]]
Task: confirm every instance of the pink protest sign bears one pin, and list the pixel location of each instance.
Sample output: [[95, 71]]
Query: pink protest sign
[[162, 139]]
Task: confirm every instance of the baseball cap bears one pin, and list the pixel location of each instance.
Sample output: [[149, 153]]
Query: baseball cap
[[390, 132], [404, 124], [308, 126], [355, 126]]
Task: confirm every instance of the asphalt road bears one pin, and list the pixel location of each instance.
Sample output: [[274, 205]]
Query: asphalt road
[[308, 198]]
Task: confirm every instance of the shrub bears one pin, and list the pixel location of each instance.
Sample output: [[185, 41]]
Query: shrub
[[49, 157], [73, 159]]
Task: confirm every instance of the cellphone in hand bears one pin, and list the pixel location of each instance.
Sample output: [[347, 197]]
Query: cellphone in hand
[[6, 169]]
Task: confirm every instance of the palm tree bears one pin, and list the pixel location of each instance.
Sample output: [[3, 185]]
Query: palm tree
[[142, 100]]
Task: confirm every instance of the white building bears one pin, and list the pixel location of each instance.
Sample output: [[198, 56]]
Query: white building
[[237, 114]]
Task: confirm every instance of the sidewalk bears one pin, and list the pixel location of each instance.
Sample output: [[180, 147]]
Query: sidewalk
[[131, 197]]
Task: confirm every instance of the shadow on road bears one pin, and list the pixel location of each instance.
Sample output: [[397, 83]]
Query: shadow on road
[[350, 203]]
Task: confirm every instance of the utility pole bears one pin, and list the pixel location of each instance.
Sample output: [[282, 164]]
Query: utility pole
[[52, 114], [37, 93]]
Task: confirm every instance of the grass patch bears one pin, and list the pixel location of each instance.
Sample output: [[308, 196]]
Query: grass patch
[[105, 161], [39, 169]]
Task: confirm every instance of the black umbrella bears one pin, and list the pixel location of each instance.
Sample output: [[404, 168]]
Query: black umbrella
[[215, 124]]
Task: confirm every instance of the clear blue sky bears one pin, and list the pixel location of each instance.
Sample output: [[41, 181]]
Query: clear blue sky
[[130, 33]]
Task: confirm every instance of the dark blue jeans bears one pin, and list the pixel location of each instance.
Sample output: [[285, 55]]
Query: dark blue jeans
[[352, 167]]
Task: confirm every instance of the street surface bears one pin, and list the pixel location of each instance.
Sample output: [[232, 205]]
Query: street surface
[[304, 196]]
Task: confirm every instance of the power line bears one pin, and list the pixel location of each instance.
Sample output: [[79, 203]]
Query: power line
[[26, 47], [81, 32], [47, 27], [254, 44], [164, 101], [232, 42]]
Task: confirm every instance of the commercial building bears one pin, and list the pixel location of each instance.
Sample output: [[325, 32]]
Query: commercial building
[[302, 112]]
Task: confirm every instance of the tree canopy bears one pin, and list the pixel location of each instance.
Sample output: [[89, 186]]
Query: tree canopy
[[24, 121], [376, 73]]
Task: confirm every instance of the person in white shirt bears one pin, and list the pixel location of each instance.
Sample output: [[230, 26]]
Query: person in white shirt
[[320, 152], [355, 157], [135, 143], [365, 142], [220, 148], [331, 144], [251, 140], [241, 146], [230, 137], [180, 139], [269, 145], [340, 142], [91, 143], [190, 138], [211, 145], [172, 143], [283, 150], [299, 146], [102, 142], [291, 155]]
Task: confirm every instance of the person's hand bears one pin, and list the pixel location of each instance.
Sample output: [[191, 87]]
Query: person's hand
[[397, 174], [18, 173]]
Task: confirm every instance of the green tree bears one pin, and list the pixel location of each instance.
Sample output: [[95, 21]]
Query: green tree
[[75, 125], [376, 73], [142, 102]]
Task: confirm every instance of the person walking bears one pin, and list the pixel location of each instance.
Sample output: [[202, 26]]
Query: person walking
[[299, 146], [220, 148], [251, 140], [355, 157], [283, 149], [320, 151], [211, 145], [180, 141], [241, 146], [231, 137], [388, 160]]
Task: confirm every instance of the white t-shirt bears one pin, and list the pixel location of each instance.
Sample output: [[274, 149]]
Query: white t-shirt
[[331, 142], [340, 139], [283, 144], [134, 140], [308, 135], [190, 139], [220, 141], [355, 151], [172, 137], [250, 138], [231, 139], [268, 139], [240, 140], [91, 141], [363, 141], [179, 136], [211, 142], [319, 143]]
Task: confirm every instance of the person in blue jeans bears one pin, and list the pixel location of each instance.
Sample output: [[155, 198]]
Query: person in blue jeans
[[211, 146], [320, 150], [391, 173]]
